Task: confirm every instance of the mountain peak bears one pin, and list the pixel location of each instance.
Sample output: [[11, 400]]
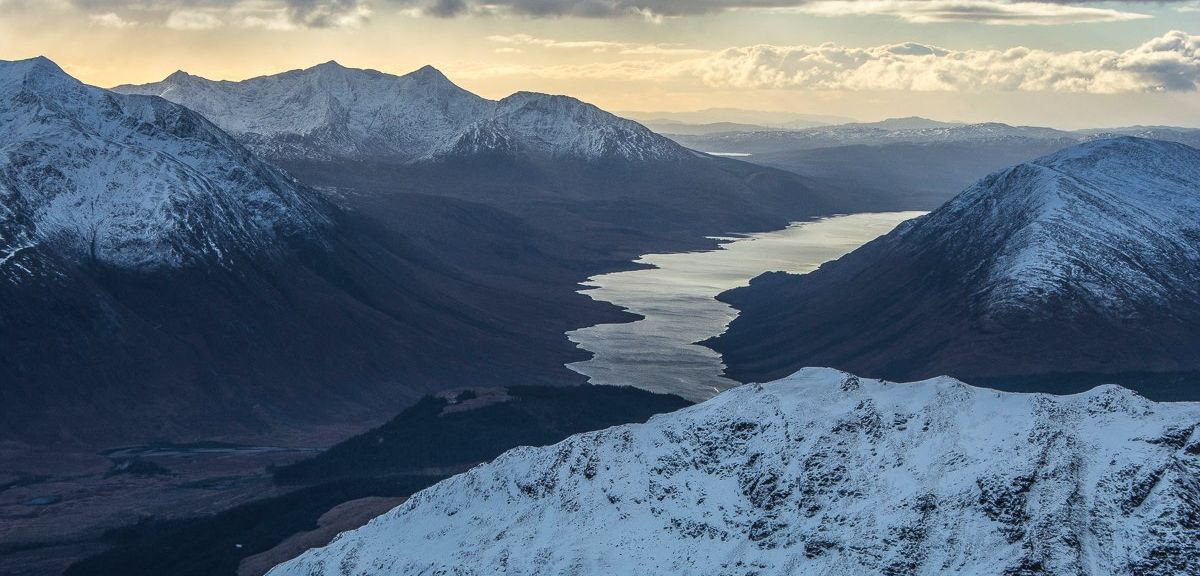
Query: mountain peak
[[179, 76], [332, 65], [428, 71], [36, 67], [138, 198]]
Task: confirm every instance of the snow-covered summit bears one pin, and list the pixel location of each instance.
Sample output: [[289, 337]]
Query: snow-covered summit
[[1108, 225], [531, 123], [330, 111], [129, 181], [820, 473]]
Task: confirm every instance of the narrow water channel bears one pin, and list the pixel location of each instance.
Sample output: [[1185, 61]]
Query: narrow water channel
[[677, 300]]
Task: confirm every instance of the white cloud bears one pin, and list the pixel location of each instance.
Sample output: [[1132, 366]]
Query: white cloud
[[983, 11], [527, 40], [192, 20], [1189, 7], [1168, 63], [111, 20], [210, 14], [977, 11]]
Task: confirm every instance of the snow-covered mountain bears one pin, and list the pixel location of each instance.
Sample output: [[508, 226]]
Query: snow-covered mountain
[[130, 181], [532, 124], [1087, 260], [1109, 226], [820, 473], [333, 112], [159, 281]]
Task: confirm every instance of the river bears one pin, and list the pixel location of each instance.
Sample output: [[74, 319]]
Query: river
[[677, 300]]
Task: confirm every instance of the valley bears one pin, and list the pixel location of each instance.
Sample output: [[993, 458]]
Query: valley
[[675, 298], [265, 316]]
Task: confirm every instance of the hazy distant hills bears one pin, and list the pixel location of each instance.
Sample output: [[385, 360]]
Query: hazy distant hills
[[819, 473], [789, 120], [672, 129], [903, 163], [1083, 262]]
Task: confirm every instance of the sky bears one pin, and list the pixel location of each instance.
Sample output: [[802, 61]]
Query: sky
[[1062, 63]]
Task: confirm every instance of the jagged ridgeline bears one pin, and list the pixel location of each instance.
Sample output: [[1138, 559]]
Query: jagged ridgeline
[[331, 112], [820, 473]]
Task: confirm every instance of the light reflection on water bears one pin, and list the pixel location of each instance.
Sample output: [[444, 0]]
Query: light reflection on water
[[677, 299]]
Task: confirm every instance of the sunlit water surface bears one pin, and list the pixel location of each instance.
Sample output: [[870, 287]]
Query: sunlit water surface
[[677, 299]]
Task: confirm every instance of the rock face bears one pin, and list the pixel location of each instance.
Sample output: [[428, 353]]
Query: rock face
[[330, 112], [1085, 261], [820, 473]]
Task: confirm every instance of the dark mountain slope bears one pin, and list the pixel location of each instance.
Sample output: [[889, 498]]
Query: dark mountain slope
[[1083, 262], [157, 281]]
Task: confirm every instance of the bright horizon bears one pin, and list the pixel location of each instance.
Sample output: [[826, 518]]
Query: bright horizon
[[1064, 65]]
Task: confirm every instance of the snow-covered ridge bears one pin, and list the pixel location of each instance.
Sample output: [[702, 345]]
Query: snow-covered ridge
[[1109, 225], [333, 112], [820, 473], [130, 181]]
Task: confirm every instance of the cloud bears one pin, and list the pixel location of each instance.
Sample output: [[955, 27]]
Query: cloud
[[1168, 63], [209, 14], [111, 20], [986, 11], [595, 45], [302, 14], [977, 11], [327, 13], [192, 20], [527, 40]]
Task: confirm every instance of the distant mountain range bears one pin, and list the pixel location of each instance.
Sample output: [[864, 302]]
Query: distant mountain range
[[904, 163], [671, 128], [819, 473], [330, 112], [1083, 262], [914, 130], [791, 120]]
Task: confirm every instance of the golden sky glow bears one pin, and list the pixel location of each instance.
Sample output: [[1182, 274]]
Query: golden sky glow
[[1021, 62]]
